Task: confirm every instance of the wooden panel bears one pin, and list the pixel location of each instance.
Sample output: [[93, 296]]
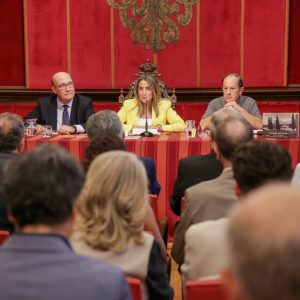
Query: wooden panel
[[264, 42], [12, 43]]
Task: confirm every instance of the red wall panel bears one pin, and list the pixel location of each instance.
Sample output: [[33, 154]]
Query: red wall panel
[[264, 42], [178, 63], [47, 40], [12, 43], [294, 43], [90, 44], [219, 40], [127, 56]]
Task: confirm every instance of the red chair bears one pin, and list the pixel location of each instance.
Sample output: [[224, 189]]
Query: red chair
[[135, 286], [3, 236], [154, 205], [205, 290]]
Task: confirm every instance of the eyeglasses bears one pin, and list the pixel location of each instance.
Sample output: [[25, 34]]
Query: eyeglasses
[[64, 86]]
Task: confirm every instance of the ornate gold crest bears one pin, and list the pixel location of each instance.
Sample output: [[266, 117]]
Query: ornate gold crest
[[150, 20]]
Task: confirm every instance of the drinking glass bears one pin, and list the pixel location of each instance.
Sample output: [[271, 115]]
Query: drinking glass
[[203, 132], [30, 127], [47, 131], [190, 130]]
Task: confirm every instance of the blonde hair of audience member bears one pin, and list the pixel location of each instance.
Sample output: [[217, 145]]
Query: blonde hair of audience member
[[264, 245], [154, 88], [113, 202]]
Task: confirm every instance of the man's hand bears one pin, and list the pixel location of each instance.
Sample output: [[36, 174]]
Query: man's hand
[[233, 104], [66, 129], [40, 129]]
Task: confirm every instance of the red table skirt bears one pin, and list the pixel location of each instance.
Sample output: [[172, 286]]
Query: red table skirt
[[166, 150]]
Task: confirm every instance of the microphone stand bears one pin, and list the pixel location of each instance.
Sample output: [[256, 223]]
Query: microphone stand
[[146, 133]]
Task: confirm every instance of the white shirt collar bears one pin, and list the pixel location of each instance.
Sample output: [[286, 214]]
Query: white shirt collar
[[60, 104]]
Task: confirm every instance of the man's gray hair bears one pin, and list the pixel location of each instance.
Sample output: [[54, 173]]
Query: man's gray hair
[[105, 121], [12, 132]]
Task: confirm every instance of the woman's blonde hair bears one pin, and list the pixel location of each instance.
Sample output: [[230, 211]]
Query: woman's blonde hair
[[153, 84], [113, 202]]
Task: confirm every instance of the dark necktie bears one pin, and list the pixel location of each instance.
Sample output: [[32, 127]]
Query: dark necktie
[[65, 116]]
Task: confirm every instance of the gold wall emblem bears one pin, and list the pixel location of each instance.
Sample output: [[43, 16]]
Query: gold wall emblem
[[150, 20]]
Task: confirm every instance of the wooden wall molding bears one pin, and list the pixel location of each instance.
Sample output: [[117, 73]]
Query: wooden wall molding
[[183, 95]]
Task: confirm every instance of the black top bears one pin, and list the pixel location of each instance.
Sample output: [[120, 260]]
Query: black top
[[192, 170]]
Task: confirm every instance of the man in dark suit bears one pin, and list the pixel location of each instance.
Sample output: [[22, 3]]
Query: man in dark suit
[[37, 262], [65, 111], [192, 170], [11, 144]]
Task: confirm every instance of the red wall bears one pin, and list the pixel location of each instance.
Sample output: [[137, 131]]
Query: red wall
[[12, 43], [244, 36]]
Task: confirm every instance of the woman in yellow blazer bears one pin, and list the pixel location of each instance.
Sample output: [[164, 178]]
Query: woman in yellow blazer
[[147, 104]]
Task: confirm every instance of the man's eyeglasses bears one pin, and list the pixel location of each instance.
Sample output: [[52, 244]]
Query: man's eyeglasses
[[64, 86], [230, 89]]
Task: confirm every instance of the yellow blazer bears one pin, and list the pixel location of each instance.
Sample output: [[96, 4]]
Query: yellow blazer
[[167, 117]]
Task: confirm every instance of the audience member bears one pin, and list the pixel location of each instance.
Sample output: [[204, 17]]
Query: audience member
[[192, 170], [66, 111], [37, 261], [232, 97], [147, 104], [264, 246], [11, 145], [211, 200], [108, 121], [254, 164], [111, 213]]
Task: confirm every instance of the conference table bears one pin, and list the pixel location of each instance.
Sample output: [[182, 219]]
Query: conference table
[[166, 150]]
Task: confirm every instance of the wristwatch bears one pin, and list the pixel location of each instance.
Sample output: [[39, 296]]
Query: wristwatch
[[73, 126]]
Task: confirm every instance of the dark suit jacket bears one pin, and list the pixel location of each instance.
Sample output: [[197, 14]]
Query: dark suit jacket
[[192, 170], [153, 185], [5, 224], [46, 111], [41, 266]]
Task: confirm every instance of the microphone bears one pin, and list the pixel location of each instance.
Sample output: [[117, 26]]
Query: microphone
[[146, 133]]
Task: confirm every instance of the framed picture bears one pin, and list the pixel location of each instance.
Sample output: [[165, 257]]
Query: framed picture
[[281, 125]]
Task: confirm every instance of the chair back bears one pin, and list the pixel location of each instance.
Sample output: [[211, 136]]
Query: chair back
[[149, 69], [3, 236], [206, 290], [135, 286], [154, 205]]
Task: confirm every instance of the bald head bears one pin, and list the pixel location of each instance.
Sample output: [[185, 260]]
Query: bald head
[[229, 130], [63, 86], [264, 244]]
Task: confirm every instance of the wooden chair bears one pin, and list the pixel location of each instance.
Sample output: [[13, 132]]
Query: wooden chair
[[149, 69], [135, 286], [3, 236], [205, 290]]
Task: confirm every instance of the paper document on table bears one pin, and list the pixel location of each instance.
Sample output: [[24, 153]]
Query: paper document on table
[[136, 130]]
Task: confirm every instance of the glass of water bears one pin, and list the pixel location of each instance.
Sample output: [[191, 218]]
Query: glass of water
[[47, 131]]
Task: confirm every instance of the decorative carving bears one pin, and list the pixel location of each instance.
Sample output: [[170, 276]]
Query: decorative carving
[[150, 22], [149, 69]]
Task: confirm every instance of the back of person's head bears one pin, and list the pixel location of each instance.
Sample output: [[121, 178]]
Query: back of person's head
[[11, 132], [113, 202], [264, 245], [104, 121], [258, 162], [229, 130], [42, 185], [101, 143]]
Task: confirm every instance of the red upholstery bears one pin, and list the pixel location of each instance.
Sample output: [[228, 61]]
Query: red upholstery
[[205, 290], [3, 236], [135, 286]]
